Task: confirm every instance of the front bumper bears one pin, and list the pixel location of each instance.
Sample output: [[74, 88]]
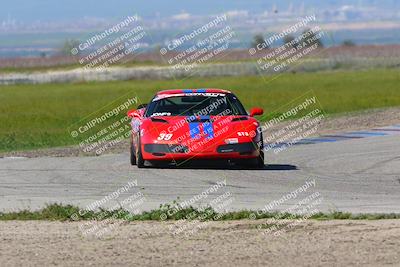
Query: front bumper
[[178, 152]]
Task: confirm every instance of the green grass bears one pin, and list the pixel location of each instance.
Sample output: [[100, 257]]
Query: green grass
[[38, 116], [57, 212]]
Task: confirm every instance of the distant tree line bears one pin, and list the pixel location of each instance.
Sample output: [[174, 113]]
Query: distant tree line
[[67, 46]]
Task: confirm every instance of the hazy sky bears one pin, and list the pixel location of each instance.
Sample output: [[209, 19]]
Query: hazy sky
[[27, 10], [45, 10]]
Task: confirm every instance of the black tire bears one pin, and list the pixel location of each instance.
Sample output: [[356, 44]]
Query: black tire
[[133, 155], [139, 157], [260, 159]]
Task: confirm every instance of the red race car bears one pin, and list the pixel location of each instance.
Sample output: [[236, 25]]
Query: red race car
[[178, 126]]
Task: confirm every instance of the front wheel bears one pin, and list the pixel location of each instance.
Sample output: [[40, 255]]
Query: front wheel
[[260, 160], [133, 154], [139, 157]]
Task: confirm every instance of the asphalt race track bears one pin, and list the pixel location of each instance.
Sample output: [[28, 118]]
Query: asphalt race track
[[356, 175]]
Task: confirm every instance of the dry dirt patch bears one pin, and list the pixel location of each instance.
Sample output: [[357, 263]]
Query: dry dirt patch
[[239, 243]]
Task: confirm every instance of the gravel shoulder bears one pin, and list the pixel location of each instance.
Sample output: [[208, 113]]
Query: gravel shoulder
[[354, 121], [239, 243]]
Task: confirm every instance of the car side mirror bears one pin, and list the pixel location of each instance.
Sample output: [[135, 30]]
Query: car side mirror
[[133, 113], [256, 111]]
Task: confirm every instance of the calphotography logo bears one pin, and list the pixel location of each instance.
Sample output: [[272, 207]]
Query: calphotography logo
[[113, 45], [210, 205], [105, 128], [111, 214], [293, 216], [189, 51], [301, 41], [297, 122]]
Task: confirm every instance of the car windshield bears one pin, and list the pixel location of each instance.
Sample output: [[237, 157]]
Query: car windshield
[[195, 104]]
